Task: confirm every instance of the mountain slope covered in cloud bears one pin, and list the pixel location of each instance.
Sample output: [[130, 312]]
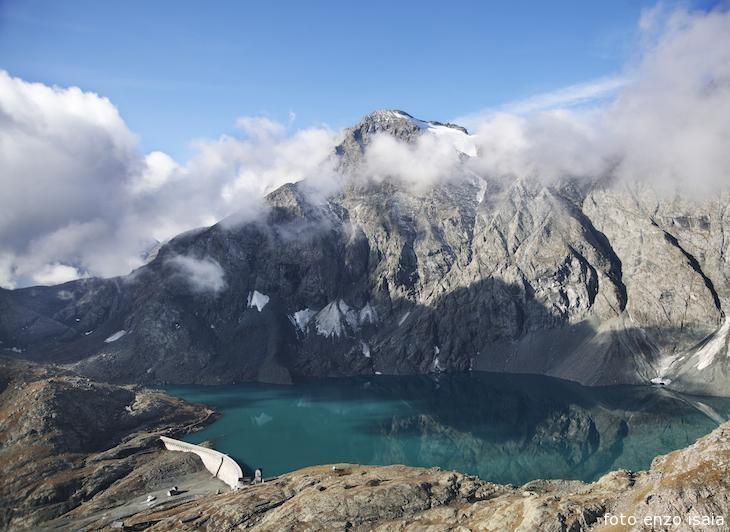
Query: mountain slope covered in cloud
[[80, 198], [595, 280], [588, 242]]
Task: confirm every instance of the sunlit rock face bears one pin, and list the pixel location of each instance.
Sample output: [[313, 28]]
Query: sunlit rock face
[[68, 441], [585, 279]]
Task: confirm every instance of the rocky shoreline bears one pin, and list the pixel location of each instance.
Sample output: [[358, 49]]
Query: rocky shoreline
[[71, 446], [83, 455], [689, 486]]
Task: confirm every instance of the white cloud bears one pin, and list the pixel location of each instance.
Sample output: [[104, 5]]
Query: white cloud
[[7, 276], [78, 195], [571, 96], [260, 127], [66, 157], [666, 118], [202, 275], [673, 124], [51, 274], [670, 123], [158, 169], [421, 163], [57, 147], [547, 146], [79, 198]]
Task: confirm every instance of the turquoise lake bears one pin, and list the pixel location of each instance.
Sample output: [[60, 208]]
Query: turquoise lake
[[504, 428]]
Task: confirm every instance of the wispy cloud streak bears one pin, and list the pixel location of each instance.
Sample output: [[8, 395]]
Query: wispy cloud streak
[[579, 94]]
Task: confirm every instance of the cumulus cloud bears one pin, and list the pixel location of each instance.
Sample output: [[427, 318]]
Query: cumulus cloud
[[546, 146], [51, 274], [157, 170], [665, 119], [58, 149], [79, 198], [674, 123], [421, 163], [202, 275], [261, 127], [670, 123]]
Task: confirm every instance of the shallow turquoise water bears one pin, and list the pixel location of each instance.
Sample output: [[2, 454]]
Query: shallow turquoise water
[[504, 428]]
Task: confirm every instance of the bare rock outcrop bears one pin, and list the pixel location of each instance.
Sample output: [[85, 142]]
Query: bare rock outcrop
[[67, 441], [689, 486]]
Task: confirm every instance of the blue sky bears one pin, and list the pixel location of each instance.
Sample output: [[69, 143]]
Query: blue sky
[[183, 70]]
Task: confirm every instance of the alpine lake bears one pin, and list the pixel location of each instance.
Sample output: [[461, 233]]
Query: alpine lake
[[504, 428]]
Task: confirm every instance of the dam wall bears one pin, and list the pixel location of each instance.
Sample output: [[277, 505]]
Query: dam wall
[[220, 465]]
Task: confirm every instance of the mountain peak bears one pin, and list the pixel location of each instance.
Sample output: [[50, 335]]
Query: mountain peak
[[386, 118], [402, 126]]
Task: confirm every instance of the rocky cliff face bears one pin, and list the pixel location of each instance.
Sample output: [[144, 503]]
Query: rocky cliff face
[[585, 279], [65, 440]]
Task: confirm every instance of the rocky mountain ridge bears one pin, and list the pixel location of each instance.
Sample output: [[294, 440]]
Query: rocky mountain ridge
[[592, 280]]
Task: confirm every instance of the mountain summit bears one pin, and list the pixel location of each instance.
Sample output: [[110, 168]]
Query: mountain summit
[[588, 280], [401, 126]]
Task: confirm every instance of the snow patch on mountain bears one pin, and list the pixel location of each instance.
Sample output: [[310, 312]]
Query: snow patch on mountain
[[664, 365], [258, 300], [333, 319], [454, 135], [463, 142], [301, 318], [116, 336], [481, 190], [365, 349], [340, 319], [714, 346], [368, 314]]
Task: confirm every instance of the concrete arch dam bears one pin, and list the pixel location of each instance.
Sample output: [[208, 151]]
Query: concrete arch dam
[[220, 465]]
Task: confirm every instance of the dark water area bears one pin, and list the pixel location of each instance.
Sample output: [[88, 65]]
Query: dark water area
[[504, 428]]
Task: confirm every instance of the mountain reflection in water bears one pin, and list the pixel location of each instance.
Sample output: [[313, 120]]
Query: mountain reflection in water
[[504, 428]]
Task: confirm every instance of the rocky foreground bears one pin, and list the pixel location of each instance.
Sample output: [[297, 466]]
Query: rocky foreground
[[82, 455], [688, 485], [69, 443]]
